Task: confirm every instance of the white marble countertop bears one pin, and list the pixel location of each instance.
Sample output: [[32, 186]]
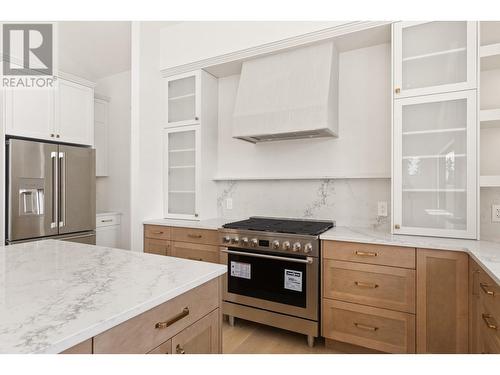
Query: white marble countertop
[[214, 223], [56, 294], [485, 253]]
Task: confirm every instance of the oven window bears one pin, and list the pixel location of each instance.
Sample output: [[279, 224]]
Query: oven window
[[269, 279]]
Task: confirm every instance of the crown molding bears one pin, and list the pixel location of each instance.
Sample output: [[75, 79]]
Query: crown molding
[[102, 97], [269, 48]]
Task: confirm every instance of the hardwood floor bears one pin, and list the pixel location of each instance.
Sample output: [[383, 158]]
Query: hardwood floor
[[253, 338]]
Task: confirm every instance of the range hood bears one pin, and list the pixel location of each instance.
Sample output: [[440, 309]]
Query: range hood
[[289, 95]]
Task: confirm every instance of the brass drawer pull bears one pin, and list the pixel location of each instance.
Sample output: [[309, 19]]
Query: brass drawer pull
[[487, 319], [366, 254], [168, 323], [365, 327], [156, 232], [179, 349], [194, 235], [193, 258], [362, 284], [485, 289]]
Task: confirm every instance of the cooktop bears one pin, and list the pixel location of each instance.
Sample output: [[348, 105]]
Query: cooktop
[[282, 225]]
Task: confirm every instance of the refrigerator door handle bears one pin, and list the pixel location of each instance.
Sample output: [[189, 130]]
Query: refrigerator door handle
[[54, 219], [62, 191]]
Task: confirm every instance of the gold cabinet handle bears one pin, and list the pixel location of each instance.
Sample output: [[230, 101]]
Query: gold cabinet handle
[[190, 235], [397, 90], [362, 284], [365, 327], [488, 320], [485, 289], [168, 323], [193, 258], [157, 232], [366, 253], [179, 349]]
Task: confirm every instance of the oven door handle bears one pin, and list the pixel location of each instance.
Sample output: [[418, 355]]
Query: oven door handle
[[308, 260]]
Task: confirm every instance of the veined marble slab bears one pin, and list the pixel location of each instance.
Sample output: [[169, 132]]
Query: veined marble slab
[[56, 294], [485, 253]]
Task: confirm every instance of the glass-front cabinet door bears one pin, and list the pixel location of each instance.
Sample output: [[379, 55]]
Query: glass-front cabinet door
[[183, 99], [434, 168], [434, 57], [180, 164]]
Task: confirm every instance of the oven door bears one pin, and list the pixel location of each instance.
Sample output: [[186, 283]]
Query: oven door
[[278, 283]]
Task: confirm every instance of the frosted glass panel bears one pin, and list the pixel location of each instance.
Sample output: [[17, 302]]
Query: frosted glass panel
[[434, 53], [182, 172], [182, 99], [434, 165]]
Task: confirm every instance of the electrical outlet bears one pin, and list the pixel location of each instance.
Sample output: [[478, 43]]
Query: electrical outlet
[[495, 213], [229, 203], [382, 209]]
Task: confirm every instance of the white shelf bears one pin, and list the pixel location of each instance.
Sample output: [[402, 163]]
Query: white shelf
[[183, 150], [435, 131], [434, 190], [489, 181], [434, 54], [181, 97], [490, 118], [302, 177], [442, 156], [489, 50], [182, 191], [182, 167]]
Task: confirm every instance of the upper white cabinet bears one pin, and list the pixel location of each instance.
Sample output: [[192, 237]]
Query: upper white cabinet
[[101, 136], [434, 57], [75, 113], [190, 147], [435, 174], [64, 114], [183, 96], [29, 113]]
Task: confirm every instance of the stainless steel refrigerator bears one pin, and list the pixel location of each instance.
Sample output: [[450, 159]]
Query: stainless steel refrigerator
[[50, 192]]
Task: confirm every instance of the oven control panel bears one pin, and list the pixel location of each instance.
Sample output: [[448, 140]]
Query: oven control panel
[[281, 243]]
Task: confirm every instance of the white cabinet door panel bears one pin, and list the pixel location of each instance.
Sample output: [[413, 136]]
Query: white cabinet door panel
[[101, 137]]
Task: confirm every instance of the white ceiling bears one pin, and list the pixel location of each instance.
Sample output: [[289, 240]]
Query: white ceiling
[[94, 49]]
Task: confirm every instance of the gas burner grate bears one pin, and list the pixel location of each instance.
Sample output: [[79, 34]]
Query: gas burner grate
[[291, 226]]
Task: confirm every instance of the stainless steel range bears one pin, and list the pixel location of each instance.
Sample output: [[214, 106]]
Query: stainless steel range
[[273, 272]]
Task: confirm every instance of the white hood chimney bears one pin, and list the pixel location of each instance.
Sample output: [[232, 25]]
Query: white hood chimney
[[289, 95]]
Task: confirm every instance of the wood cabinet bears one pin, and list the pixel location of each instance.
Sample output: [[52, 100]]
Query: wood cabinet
[[442, 304], [101, 136], [84, 347], [193, 251], [368, 295], [189, 146], [188, 323], [159, 247], [63, 114]]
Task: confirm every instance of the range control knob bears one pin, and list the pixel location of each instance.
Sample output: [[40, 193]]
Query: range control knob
[[226, 239], [275, 244], [286, 245], [254, 242], [235, 240], [308, 248], [244, 241], [297, 246]]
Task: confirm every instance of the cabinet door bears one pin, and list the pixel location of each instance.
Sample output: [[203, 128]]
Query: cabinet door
[[434, 57], [181, 172], [204, 253], [101, 137], [74, 113], [442, 306], [183, 95], [29, 113], [434, 165], [475, 319], [200, 338], [159, 247]]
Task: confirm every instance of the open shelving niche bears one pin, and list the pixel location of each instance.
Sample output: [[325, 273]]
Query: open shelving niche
[[489, 117]]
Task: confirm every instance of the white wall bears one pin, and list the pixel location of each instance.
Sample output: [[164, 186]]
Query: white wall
[[188, 42], [362, 149], [113, 191], [147, 115]]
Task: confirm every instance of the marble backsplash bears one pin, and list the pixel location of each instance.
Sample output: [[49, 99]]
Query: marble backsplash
[[350, 202]]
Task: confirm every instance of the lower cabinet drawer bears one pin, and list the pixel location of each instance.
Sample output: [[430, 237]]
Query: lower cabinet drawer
[[193, 251], [159, 247], [379, 329], [201, 236], [379, 286], [147, 331]]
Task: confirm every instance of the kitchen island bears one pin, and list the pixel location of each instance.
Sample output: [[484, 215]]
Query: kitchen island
[[60, 296]]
